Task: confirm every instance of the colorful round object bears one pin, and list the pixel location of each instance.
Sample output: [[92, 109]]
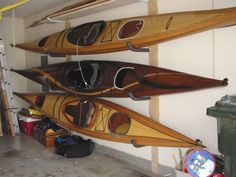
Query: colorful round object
[[200, 163]]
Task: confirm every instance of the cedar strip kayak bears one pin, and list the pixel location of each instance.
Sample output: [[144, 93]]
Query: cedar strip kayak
[[116, 79], [112, 36], [105, 120]]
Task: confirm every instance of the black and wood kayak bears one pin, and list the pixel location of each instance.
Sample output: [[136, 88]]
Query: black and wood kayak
[[116, 79], [129, 33], [105, 120]]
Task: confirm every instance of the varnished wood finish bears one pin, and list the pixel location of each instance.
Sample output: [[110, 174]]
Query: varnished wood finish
[[156, 28], [4, 97], [57, 76], [142, 130], [154, 105], [67, 26]]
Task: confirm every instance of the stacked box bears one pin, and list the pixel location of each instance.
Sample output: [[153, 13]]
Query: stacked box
[[27, 124], [47, 138]]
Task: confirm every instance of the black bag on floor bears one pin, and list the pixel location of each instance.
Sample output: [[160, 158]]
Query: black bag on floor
[[73, 146]]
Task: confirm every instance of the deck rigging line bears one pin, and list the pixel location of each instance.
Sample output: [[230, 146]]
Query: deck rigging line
[[78, 61]]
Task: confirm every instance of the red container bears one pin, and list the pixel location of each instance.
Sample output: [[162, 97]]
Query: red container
[[27, 124], [218, 175]]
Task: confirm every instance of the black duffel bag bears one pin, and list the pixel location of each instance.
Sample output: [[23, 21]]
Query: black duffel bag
[[73, 146]]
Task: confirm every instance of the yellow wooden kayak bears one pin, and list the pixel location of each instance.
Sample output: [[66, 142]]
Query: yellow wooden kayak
[[129, 33], [105, 120]]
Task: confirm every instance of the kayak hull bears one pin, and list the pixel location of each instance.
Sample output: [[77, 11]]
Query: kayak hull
[[116, 79], [105, 120], [113, 36]]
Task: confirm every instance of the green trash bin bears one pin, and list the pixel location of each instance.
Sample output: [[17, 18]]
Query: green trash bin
[[225, 112]]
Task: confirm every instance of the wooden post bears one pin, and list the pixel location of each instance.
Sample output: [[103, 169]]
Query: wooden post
[[68, 59], [0, 125], [8, 113], [68, 25], [154, 102], [44, 63]]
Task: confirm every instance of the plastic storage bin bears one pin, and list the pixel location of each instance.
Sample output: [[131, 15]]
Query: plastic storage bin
[[225, 112], [27, 124]]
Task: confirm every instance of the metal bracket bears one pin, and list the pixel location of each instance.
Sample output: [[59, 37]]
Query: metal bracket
[[55, 55], [131, 95], [133, 142], [12, 45], [134, 49], [54, 21]]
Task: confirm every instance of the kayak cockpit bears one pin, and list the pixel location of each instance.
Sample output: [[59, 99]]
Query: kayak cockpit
[[119, 123], [80, 114], [120, 77], [86, 34], [85, 77]]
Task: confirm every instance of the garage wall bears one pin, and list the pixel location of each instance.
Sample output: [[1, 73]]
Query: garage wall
[[15, 57], [210, 54]]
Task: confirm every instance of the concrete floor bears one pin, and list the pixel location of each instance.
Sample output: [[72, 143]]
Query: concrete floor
[[23, 156]]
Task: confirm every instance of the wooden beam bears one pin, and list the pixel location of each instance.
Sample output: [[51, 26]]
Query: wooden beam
[[68, 58], [154, 102], [44, 63], [1, 125], [8, 113], [68, 25]]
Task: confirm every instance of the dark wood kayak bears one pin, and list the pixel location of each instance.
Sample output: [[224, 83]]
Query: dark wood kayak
[[105, 120], [116, 79], [111, 36]]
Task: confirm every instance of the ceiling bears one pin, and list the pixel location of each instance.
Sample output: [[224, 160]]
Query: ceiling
[[32, 7], [36, 6]]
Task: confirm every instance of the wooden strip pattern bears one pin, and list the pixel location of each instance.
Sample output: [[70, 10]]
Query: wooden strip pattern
[[64, 36], [155, 134], [155, 29], [143, 80], [53, 109], [58, 38]]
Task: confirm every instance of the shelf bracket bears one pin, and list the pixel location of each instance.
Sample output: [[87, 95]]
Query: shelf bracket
[[131, 95], [134, 49], [133, 142], [54, 21]]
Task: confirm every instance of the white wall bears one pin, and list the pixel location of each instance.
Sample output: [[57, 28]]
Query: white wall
[[15, 57], [209, 54]]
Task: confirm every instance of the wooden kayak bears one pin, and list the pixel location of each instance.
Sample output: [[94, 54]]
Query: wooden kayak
[[123, 34], [105, 120], [31, 112], [116, 79]]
